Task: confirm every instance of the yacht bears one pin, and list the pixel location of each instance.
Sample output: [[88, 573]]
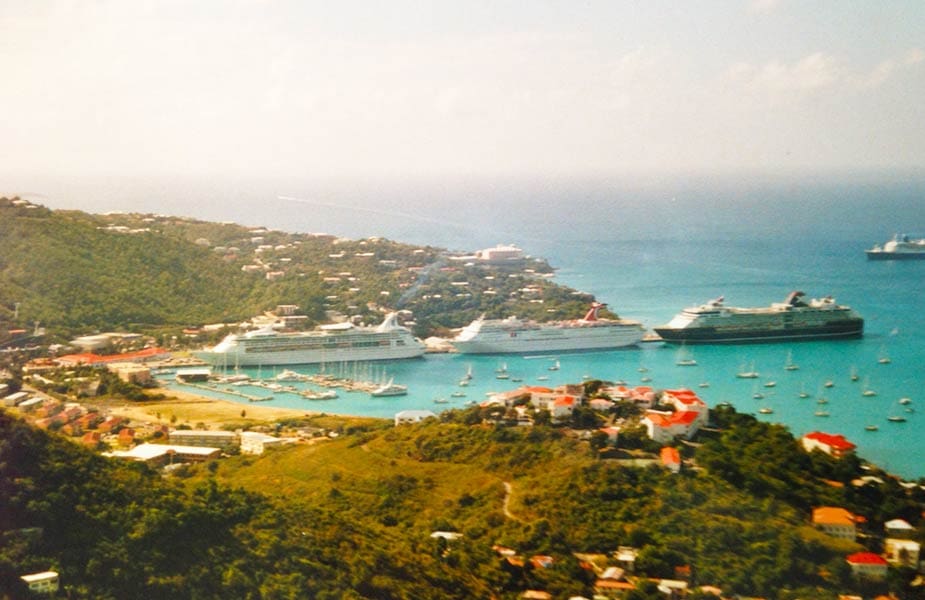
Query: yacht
[[390, 389]]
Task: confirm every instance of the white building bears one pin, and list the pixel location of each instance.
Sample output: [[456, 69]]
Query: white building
[[500, 254], [412, 416], [45, 582], [902, 552], [254, 442]]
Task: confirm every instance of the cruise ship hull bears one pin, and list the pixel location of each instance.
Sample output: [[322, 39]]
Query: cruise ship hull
[[886, 255], [551, 340], [303, 357], [328, 344], [713, 335]]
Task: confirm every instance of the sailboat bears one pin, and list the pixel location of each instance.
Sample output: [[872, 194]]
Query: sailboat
[[685, 358], [884, 358], [790, 365], [866, 391], [756, 394], [555, 366], [501, 372], [751, 373], [803, 392], [854, 373]]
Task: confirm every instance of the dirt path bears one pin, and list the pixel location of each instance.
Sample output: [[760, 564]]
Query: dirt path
[[505, 506]]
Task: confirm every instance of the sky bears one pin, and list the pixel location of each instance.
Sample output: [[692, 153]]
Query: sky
[[432, 88]]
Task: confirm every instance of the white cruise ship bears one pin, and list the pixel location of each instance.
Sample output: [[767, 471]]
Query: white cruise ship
[[901, 247], [501, 336], [328, 343], [793, 319]]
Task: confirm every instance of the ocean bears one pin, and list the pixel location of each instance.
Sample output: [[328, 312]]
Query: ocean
[[647, 247]]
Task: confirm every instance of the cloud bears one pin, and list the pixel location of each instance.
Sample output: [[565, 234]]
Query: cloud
[[778, 79], [764, 7]]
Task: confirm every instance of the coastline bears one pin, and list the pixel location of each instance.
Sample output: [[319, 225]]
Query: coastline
[[214, 413]]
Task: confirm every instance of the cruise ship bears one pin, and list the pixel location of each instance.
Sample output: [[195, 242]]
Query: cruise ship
[[793, 319], [337, 342], [901, 247], [510, 335]]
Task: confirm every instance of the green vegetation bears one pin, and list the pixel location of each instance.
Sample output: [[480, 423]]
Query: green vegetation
[[76, 273], [352, 517]]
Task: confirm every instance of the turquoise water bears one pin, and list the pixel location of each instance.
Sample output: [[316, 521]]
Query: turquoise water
[[649, 249]]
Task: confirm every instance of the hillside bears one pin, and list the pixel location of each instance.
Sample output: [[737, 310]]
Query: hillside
[[352, 517], [75, 273]]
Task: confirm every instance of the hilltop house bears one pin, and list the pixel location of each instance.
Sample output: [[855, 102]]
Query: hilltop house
[[867, 565], [689, 415], [832, 444], [836, 522]]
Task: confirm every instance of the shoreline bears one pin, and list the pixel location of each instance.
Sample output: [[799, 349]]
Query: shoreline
[[215, 413]]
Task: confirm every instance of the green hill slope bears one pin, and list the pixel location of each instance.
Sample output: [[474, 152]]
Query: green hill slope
[[74, 272]]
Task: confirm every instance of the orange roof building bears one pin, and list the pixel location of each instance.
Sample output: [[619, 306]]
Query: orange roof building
[[836, 522]]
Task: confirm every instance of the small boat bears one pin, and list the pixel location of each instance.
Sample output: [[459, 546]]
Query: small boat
[[440, 401], [645, 379], [389, 389], [703, 384], [828, 383], [896, 419], [821, 413], [458, 395], [905, 400], [871, 428], [790, 365], [770, 384], [884, 358], [642, 369], [766, 410], [749, 373], [822, 400], [517, 379], [501, 372], [463, 382], [757, 395], [542, 378]]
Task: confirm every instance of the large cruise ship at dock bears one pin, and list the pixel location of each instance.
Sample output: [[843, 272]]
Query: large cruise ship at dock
[[513, 335], [793, 319], [337, 342], [901, 247]]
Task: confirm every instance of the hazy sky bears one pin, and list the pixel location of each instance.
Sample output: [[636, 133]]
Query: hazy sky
[[410, 88]]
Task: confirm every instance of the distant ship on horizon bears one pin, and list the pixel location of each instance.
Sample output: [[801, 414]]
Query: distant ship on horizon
[[513, 335], [901, 247], [793, 319]]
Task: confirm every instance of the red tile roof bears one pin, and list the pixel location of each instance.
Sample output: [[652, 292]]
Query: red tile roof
[[836, 441], [866, 558], [670, 456]]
